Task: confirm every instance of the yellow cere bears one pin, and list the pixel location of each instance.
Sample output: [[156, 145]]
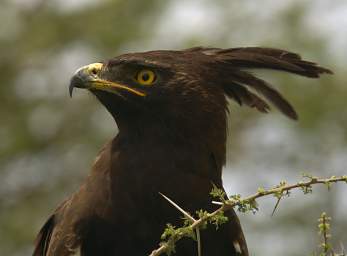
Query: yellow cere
[[145, 77], [94, 68]]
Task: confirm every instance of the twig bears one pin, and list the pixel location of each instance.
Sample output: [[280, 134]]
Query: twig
[[324, 231], [188, 216], [324, 227], [245, 203], [198, 238]]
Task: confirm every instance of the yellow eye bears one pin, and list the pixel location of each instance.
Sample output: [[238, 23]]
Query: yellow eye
[[145, 77]]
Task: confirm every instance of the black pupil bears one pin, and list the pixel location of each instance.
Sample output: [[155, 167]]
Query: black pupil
[[145, 77]]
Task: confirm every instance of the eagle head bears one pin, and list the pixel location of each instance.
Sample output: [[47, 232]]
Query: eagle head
[[189, 86]]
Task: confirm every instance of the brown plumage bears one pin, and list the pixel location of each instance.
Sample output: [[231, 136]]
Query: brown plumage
[[170, 108]]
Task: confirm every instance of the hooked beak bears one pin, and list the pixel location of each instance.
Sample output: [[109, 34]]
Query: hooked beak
[[87, 77], [84, 77]]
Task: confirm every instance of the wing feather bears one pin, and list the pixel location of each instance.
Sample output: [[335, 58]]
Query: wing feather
[[44, 237], [48, 233]]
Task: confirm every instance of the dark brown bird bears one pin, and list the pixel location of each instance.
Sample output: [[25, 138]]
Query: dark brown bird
[[171, 111]]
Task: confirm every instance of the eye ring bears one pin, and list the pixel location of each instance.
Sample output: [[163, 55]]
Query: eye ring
[[145, 77]]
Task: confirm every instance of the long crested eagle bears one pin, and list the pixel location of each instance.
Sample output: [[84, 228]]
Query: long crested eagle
[[171, 111]]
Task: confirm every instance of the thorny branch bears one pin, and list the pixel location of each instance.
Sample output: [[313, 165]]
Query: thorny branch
[[171, 235], [324, 227], [324, 231]]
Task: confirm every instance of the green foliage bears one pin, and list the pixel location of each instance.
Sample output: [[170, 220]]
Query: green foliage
[[324, 231], [217, 193], [172, 234], [218, 219]]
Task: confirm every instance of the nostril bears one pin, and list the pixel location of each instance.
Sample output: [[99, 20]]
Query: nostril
[[94, 71]]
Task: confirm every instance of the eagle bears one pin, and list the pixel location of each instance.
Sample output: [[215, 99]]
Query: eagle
[[171, 109]]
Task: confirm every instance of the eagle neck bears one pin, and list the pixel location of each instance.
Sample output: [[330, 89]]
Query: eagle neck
[[176, 145]]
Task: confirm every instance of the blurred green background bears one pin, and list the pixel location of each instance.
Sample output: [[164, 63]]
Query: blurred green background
[[48, 141]]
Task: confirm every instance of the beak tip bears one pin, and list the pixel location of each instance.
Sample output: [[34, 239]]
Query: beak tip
[[71, 87], [76, 81]]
